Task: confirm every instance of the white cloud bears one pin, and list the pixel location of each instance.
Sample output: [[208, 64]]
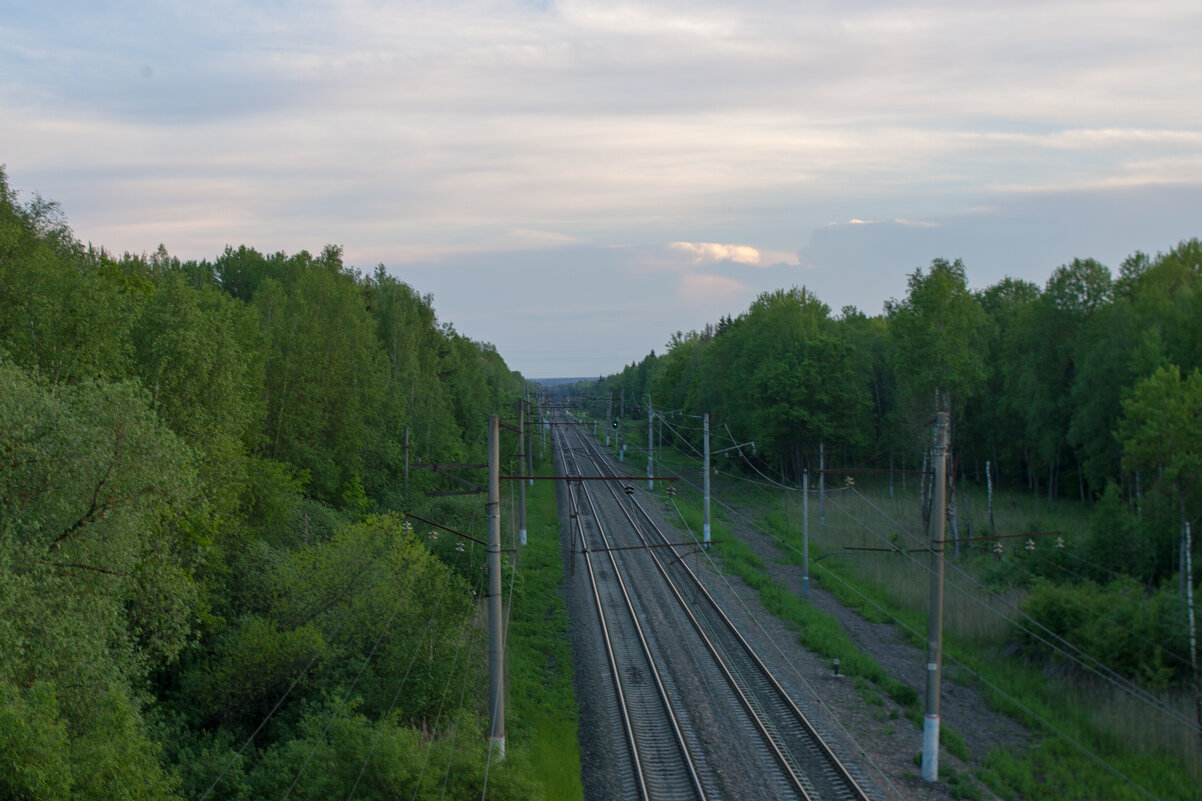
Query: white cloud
[[714, 252], [899, 221]]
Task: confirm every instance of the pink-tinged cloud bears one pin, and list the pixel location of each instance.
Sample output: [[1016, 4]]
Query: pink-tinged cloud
[[714, 252], [700, 289]]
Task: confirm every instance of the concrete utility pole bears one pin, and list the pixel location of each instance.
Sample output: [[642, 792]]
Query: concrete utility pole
[[660, 445], [650, 451], [530, 443], [622, 428], [930, 723], [705, 481], [496, 647], [805, 534], [609, 417], [522, 462], [822, 484], [989, 491]]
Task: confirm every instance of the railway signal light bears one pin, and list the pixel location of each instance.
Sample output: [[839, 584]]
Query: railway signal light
[[615, 423]]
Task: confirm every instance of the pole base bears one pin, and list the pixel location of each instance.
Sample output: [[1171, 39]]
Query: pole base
[[930, 748]]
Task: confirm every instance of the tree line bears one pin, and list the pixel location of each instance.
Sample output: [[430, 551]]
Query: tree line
[[1087, 389], [201, 464]]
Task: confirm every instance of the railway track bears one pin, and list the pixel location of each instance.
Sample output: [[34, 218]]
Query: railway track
[[660, 762], [718, 711]]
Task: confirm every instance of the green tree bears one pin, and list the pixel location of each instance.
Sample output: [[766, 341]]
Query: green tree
[[64, 314], [95, 590], [938, 330], [325, 371], [995, 423], [1161, 430]]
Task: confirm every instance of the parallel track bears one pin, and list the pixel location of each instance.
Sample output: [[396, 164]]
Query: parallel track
[[799, 763], [660, 759]]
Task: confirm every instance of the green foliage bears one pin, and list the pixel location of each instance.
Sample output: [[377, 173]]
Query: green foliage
[[325, 371], [1162, 428], [91, 482], [1116, 624], [189, 456], [64, 315], [936, 329], [34, 743]]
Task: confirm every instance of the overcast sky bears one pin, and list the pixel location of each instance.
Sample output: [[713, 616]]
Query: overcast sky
[[573, 181]]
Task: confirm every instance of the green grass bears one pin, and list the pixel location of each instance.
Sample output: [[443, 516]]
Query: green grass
[[542, 704]]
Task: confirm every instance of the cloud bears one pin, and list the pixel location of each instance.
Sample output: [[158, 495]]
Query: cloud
[[435, 136], [714, 252], [901, 222]]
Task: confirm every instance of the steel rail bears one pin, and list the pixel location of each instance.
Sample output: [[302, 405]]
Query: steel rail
[[754, 706], [631, 726]]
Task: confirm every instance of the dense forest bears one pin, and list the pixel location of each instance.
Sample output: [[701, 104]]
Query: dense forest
[[201, 469], [1086, 390]]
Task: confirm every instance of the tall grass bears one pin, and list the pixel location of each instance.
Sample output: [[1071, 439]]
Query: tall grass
[[542, 703]]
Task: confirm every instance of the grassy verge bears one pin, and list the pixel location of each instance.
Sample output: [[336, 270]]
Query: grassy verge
[[542, 703]]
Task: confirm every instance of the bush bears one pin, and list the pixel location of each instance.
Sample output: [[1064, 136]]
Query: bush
[[1118, 624]]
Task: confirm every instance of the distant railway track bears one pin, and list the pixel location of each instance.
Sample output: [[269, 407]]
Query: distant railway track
[[672, 751], [661, 765]]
